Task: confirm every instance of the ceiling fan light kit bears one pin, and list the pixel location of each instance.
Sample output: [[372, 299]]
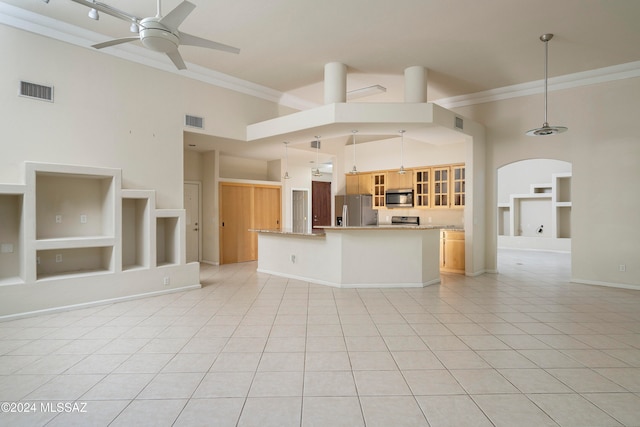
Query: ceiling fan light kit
[[158, 33], [546, 130]]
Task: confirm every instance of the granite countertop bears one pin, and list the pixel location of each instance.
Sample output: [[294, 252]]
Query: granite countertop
[[393, 227], [319, 233]]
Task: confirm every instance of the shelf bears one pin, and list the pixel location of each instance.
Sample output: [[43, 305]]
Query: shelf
[[168, 247], [11, 233], [136, 227], [57, 263], [74, 242]]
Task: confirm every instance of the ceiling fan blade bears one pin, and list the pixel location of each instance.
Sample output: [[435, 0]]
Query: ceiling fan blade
[[109, 10], [174, 18], [176, 58], [115, 42], [191, 40]]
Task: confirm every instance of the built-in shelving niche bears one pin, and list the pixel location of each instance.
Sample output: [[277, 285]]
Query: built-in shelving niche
[[136, 227], [11, 234], [554, 197], [169, 249]]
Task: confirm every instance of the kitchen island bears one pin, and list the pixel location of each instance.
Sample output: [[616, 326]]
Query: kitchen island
[[354, 257]]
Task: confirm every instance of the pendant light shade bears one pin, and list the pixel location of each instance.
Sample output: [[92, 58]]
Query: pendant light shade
[[354, 170], [402, 171], [286, 160], [546, 130], [316, 171]]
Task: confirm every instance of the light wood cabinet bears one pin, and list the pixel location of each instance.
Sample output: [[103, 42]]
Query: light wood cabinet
[[379, 186], [457, 186], [441, 187], [359, 183], [399, 181], [422, 188], [448, 186], [452, 251]]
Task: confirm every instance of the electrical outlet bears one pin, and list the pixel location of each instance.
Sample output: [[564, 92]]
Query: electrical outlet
[[6, 248], [83, 219], [166, 281], [38, 260], [622, 268], [58, 219], [293, 258], [58, 257]]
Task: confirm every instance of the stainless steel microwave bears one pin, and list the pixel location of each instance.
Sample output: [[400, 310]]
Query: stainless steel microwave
[[401, 198]]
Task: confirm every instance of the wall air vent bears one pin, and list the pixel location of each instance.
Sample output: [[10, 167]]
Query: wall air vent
[[194, 121], [36, 91], [459, 123]]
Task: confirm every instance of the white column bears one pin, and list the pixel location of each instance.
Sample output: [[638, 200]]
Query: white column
[[335, 83], [415, 84]]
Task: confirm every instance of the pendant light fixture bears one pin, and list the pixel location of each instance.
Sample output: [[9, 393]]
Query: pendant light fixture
[[354, 170], [286, 160], [402, 171], [546, 129], [316, 171]]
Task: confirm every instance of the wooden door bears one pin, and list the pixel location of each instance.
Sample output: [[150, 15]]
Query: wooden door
[[267, 207], [237, 243], [320, 203]]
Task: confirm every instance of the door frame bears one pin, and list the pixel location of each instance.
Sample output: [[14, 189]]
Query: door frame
[[199, 185]]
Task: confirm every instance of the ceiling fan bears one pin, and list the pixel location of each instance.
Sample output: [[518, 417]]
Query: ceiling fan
[[158, 33]]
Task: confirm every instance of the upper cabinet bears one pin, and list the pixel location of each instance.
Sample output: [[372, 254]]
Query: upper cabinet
[[360, 183], [379, 181], [448, 186], [422, 188], [397, 180], [434, 186]]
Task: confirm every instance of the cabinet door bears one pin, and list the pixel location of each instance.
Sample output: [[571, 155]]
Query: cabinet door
[[422, 187], [399, 181], [440, 187], [364, 183], [457, 186], [453, 251], [352, 185], [379, 182]]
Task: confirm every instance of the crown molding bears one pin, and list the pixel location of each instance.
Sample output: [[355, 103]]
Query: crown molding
[[62, 31], [584, 78], [42, 25]]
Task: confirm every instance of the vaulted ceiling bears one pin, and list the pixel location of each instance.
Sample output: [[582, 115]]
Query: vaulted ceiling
[[467, 45]]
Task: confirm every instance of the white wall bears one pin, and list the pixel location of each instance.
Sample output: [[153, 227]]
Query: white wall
[[517, 178], [603, 145], [108, 112]]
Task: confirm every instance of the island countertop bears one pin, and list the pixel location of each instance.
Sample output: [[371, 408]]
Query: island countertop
[[354, 257]]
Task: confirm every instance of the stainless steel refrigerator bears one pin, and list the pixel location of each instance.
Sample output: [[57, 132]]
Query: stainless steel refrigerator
[[355, 210]]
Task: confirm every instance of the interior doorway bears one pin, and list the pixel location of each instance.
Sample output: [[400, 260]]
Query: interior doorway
[[192, 211], [300, 211]]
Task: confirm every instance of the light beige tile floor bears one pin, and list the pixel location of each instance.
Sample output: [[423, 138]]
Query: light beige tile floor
[[523, 347]]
